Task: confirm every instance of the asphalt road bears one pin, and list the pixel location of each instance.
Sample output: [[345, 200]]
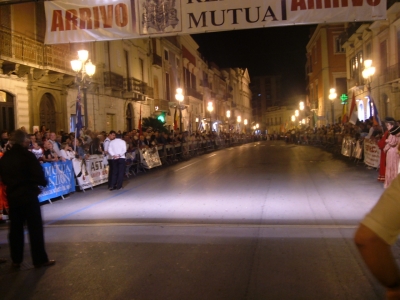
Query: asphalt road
[[266, 220]]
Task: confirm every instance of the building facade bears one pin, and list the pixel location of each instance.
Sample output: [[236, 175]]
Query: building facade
[[326, 69], [133, 78], [380, 42]]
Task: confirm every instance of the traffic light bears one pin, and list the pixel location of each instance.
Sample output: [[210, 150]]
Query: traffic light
[[161, 117]]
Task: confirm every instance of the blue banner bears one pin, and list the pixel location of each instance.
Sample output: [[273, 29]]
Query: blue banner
[[60, 178]]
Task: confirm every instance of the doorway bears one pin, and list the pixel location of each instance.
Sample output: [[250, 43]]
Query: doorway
[[7, 112]]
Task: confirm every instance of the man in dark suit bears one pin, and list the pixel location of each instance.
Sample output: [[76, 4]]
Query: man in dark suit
[[22, 174]]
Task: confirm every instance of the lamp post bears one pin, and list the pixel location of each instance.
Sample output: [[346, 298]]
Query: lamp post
[[367, 73], [210, 108], [228, 115], [83, 70], [179, 96], [245, 125], [239, 119], [332, 97]]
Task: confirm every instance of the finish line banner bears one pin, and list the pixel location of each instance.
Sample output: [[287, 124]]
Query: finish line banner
[[96, 20]]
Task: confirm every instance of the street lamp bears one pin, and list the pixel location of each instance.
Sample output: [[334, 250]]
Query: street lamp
[[210, 108], [83, 70], [245, 125], [332, 97], [239, 119], [228, 115], [296, 112], [301, 105], [179, 96], [368, 72]]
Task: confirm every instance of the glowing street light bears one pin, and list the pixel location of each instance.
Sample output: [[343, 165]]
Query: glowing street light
[[210, 108], [179, 97], [332, 97], [83, 70]]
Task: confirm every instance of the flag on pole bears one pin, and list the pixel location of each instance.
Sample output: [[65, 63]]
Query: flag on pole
[[78, 113], [140, 121], [353, 112], [376, 119], [175, 120]]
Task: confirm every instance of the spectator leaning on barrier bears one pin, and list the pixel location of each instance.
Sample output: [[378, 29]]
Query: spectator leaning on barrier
[[56, 145], [66, 152], [117, 150], [22, 174], [392, 157]]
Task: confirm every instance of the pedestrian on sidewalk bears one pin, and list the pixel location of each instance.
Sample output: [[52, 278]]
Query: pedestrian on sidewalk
[[22, 174]]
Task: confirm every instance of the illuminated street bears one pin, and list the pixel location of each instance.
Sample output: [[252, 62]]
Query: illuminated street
[[265, 220]]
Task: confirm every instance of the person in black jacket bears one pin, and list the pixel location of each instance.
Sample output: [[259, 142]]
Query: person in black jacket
[[22, 174]]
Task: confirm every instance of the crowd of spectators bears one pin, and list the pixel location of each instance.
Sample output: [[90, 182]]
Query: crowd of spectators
[[385, 135], [50, 146]]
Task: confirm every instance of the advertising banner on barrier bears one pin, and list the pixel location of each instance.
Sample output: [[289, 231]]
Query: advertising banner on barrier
[[372, 153], [150, 158], [358, 150], [60, 178], [94, 20], [347, 146], [91, 171]]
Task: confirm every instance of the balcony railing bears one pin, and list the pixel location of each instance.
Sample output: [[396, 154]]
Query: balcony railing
[[157, 60], [114, 81], [193, 93], [392, 73], [138, 86], [17, 48]]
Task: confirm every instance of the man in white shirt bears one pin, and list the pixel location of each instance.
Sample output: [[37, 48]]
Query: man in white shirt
[[106, 144], [56, 146], [117, 150]]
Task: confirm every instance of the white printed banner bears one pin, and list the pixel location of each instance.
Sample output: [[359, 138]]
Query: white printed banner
[[91, 171], [372, 153], [89, 20]]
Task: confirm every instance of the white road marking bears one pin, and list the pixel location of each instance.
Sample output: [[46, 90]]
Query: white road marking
[[288, 226]]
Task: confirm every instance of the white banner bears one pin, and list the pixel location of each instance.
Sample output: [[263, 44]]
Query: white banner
[[89, 20], [372, 153], [91, 171]]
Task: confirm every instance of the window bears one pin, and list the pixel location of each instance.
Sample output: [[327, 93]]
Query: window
[[193, 81], [141, 69], [338, 45], [315, 55], [356, 66], [383, 55], [166, 55], [368, 50], [167, 87]]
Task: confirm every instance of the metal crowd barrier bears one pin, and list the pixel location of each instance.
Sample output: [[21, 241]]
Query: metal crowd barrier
[[173, 153]]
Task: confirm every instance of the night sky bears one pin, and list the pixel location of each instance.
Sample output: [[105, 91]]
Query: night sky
[[264, 51]]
